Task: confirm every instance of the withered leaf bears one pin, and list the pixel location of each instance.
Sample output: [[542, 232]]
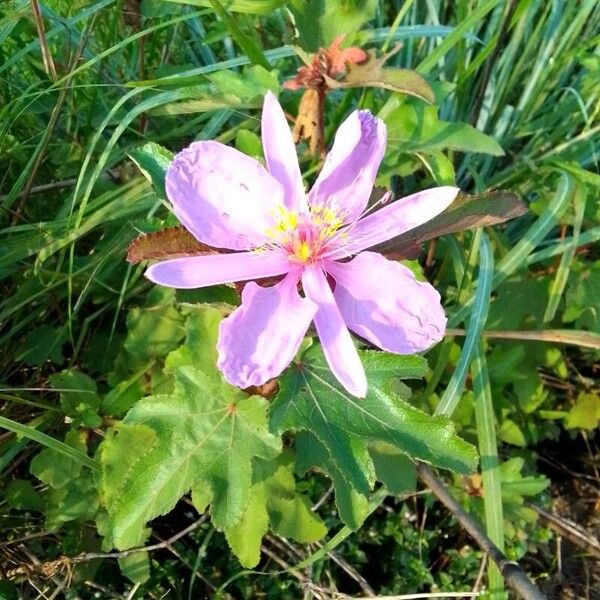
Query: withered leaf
[[466, 212], [309, 122], [372, 73], [168, 243]]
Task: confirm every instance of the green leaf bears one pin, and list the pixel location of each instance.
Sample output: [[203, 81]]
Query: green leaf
[[78, 397], [415, 127], [585, 414], [77, 501], [252, 84], [249, 143], [121, 398], [152, 333], [55, 469], [583, 297], [274, 500], [394, 469], [310, 399], [439, 166], [152, 160], [515, 487], [318, 22], [353, 507], [223, 431], [510, 433], [200, 347], [20, 494], [131, 441], [136, 567]]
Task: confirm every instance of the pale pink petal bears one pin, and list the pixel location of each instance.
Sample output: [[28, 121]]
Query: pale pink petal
[[260, 338], [381, 300], [337, 343], [212, 269], [396, 218], [223, 197], [346, 180], [280, 153]]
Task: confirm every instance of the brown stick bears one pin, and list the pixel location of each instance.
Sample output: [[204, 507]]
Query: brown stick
[[514, 576], [46, 56], [584, 339]]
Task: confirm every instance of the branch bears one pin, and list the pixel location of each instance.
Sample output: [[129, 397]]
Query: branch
[[161, 545], [514, 576]]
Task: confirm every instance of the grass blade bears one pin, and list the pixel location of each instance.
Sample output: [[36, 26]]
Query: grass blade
[[490, 467], [481, 306], [49, 442]]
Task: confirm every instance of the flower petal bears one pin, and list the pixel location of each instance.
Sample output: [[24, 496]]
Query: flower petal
[[381, 300], [346, 180], [260, 338], [212, 269], [280, 153], [396, 218], [223, 197], [337, 343]]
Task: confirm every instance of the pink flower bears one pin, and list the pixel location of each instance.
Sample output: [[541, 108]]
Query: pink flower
[[229, 200]]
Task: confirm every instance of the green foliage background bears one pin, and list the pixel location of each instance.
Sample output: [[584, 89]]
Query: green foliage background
[[109, 386]]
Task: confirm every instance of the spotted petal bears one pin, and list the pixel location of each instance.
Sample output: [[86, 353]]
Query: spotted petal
[[344, 184], [260, 338], [380, 300], [223, 197]]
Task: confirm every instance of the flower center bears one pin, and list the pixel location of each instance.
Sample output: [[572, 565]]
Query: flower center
[[304, 238]]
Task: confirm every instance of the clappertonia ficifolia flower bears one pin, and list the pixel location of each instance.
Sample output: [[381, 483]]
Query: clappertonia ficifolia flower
[[315, 241]]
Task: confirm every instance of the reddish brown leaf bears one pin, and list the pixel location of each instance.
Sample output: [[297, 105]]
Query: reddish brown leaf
[[466, 212], [168, 243], [371, 73]]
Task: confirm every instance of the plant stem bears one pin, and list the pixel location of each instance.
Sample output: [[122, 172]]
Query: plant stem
[[514, 577]]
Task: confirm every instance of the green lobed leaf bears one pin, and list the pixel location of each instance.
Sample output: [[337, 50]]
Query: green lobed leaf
[[310, 399], [353, 507], [206, 431], [274, 500]]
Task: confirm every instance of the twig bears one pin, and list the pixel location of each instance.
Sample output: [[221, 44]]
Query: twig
[[584, 339], [46, 56], [479, 578], [568, 529], [341, 596], [512, 573], [161, 545]]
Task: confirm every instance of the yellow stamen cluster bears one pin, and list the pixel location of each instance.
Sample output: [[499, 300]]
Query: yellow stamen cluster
[[304, 236], [325, 216]]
